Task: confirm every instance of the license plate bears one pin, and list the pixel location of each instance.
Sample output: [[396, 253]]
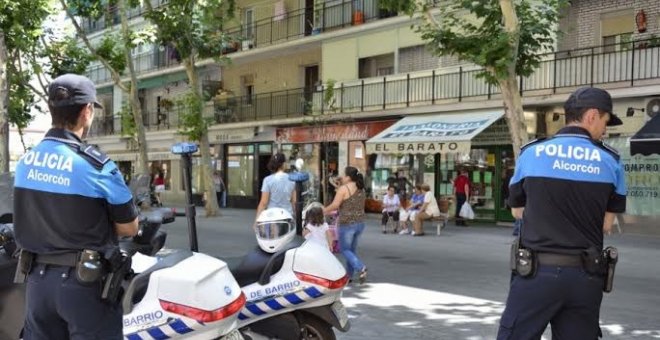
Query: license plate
[[233, 335], [340, 312]]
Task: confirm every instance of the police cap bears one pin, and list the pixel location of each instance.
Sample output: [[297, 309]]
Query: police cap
[[72, 89], [592, 98]]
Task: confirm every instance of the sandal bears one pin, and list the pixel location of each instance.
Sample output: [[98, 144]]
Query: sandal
[[363, 276]]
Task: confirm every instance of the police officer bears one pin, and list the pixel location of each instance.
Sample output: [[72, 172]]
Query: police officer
[[70, 199], [567, 190]]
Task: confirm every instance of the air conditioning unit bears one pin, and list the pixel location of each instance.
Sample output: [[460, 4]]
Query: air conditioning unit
[[652, 108]]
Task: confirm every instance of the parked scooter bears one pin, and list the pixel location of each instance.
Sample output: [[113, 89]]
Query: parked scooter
[[294, 290]]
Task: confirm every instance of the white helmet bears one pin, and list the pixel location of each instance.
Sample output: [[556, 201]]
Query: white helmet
[[275, 229]]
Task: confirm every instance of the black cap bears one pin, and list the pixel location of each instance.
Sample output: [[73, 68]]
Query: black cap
[[72, 89], [592, 98]]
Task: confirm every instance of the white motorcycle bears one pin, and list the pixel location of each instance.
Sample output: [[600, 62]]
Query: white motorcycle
[[293, 288]]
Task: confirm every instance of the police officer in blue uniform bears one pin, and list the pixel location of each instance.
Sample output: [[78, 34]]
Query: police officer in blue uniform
[[71, 204], [567, 190]]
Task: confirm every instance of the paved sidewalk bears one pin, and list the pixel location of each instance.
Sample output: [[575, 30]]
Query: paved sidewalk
[[451, 286]]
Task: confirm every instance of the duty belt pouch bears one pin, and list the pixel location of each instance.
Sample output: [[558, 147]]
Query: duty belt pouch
[[25, 261], [89, 268], [593, 262]]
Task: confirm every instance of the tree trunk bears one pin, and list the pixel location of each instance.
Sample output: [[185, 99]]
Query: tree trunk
[[515, 117], [509, 86], [4, 107], [211, 206], [136, 108]]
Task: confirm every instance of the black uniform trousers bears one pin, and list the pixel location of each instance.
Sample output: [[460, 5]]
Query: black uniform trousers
[[61, 308], [566, 297]]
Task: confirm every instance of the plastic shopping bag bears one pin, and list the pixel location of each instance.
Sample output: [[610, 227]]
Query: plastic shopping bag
[[466, 211]]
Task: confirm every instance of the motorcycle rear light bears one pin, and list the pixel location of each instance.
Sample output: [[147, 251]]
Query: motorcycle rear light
[[330, 284], [205, 315]]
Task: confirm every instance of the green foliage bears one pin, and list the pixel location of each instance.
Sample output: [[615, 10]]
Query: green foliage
[[21, 99], [473, 31], [194, 28], [21, 21], [192, 123], [63, 55], [128, 127], [111, 51]]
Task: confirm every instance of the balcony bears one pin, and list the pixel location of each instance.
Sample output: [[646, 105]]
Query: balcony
[[111, 17], [624, 67], [293, 25]]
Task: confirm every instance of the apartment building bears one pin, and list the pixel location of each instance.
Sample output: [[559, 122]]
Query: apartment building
[[325, 80]]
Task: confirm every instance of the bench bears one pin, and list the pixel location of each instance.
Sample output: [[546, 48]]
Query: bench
[[441, 221]]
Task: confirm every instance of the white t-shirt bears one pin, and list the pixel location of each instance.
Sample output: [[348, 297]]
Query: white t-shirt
[[391, 204], [317, 233], [432, 207]]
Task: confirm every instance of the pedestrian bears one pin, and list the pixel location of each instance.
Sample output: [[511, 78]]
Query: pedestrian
[[220, 189], [428, 210], [316, 230], [461, 194], [349, 200], [159, 186], [70, 200], [277, 191], [391, 205], [409, 214], [567, 190]]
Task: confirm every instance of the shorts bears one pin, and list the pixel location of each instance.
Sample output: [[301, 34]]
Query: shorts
[[160, 188]]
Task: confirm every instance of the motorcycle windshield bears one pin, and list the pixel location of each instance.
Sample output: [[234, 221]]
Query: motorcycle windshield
[[6, 194], [139, 186], [273, 230]]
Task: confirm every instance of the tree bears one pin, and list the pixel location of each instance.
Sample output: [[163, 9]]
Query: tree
[[505, 37], [195, 30], [20, 29], [114, 52]]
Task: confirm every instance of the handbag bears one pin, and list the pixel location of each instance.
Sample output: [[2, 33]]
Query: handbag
[[466, 211]]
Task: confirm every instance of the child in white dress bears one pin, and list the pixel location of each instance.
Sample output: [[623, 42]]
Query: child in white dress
[[316, 229]]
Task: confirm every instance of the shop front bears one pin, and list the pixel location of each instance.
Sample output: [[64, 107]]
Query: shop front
[[241, 155], [326, 150], [640, 156], [432, 149]]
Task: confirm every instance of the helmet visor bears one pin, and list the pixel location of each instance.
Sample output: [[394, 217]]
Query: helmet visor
[[273, 230]]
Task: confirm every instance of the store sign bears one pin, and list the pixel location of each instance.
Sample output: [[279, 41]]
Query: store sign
[[432, 134], [232, 136], [331, 133], [419, 148]]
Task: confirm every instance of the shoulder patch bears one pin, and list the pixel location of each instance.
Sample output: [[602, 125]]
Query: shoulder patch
[[538, 140], [94, 156], [609, 149]]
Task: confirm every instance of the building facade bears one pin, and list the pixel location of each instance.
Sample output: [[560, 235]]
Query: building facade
[[319, 79]]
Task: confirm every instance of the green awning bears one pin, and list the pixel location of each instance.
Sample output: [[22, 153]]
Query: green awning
[[162, 80]]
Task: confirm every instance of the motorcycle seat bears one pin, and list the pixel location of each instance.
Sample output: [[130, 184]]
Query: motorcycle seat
[[250, 268], [138, 285]]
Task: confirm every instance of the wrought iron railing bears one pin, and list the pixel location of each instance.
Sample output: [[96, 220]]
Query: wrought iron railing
[[623, 67]]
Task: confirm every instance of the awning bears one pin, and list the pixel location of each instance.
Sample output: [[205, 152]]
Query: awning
[[647, 140], [431, 134]]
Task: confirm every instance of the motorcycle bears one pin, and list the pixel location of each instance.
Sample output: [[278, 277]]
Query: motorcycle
[[171, 294], [293, 287]]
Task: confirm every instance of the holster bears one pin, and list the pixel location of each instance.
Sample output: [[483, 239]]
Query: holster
[[611, 256], [112, 282], [25, 261], [523, 261]]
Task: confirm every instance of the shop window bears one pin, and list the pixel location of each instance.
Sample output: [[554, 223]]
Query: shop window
[[310, 153], [240, 173]]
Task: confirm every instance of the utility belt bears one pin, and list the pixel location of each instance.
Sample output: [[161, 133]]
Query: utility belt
[[524, 262], [110, 267]]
